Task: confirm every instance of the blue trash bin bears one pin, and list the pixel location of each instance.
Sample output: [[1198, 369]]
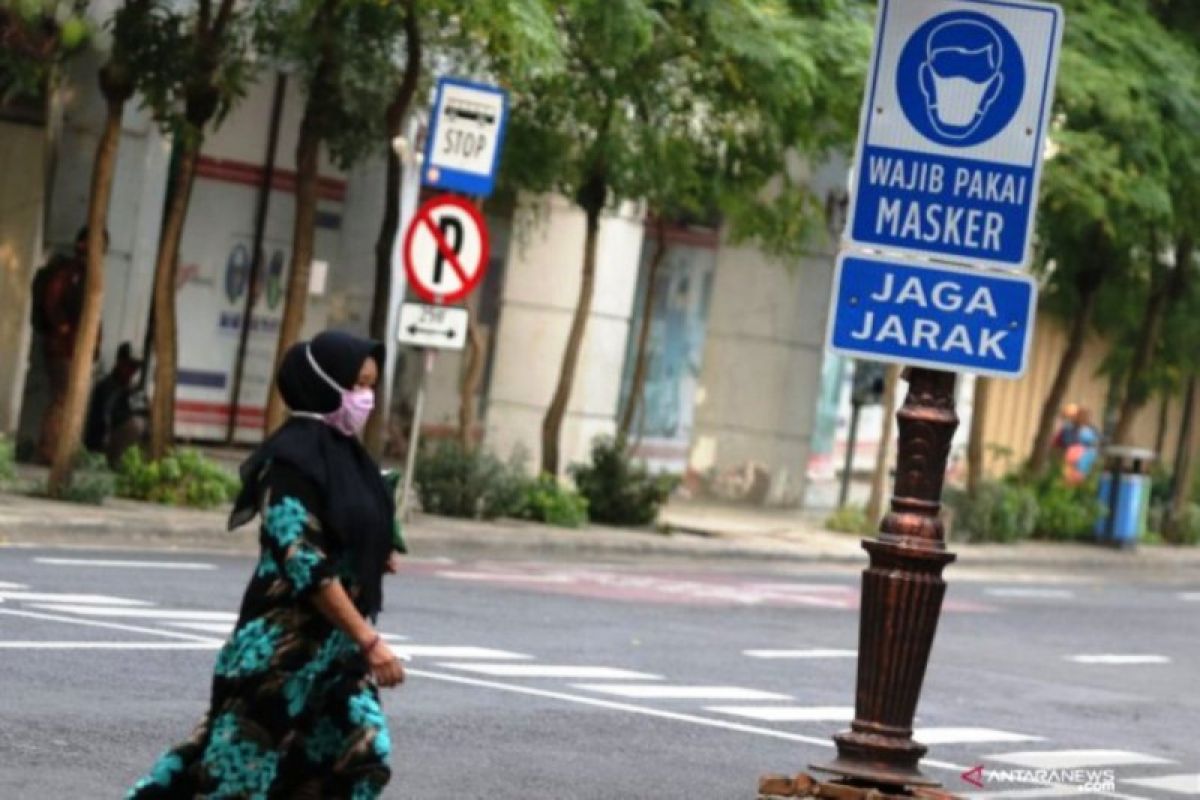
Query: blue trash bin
[[1125, 494]]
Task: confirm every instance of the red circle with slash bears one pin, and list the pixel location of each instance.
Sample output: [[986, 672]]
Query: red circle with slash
[[446, 249]]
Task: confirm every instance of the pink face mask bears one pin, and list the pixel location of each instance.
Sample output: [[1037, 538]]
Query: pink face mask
[[357, 403], [351, 418]]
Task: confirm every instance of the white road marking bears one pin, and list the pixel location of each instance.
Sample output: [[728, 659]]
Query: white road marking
[[804, 588], [107, 562], [630, 708], [142, 613], [110, 625], [1179, 784], [816, 653], [393, 637], [935, 736], [53, 597], [1076, 759], [453, 651], [31, 645], [823, 741], [788, 713], [568, 671], [649, 691], [1030, 593], [14, 586], [1119, 659], [1190, 597], [206, 627]]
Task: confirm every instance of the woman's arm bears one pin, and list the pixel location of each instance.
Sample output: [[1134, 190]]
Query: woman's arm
[[333, 602]]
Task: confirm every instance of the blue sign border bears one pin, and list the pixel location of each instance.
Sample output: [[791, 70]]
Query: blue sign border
[[866, 117], [967, 274], [456, 180]]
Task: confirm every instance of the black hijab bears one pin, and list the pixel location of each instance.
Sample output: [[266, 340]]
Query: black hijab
[[358, 506]]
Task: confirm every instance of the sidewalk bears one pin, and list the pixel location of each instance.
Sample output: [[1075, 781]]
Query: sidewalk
[[696, 531]]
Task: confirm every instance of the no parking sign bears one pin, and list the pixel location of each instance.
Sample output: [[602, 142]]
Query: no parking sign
[[446, 249]]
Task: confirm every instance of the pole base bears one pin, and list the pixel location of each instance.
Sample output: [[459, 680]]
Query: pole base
[[776, 787]]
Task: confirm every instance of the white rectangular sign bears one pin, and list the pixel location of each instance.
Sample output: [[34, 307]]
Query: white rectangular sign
[[953, 129], [462, 151], [442, 327]]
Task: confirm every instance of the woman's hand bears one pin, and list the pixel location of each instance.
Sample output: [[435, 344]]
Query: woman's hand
[[387, 669], [393, 564]]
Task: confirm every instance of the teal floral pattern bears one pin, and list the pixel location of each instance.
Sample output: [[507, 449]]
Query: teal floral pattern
[[288, 687], [240, 767], [249, 649], [160, 774], [366, 712], [285, 521]]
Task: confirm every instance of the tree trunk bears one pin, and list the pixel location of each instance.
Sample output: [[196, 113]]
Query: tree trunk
[[637, 383], [883, 461], [1076, 338], [1185, 462], [79, 383], [591, 199], [397, 112], [1135, 395], [476, 357], [307, 151], [976, 446], [166, 268]]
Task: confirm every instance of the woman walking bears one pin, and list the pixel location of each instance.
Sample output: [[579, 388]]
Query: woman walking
[[295, 711]]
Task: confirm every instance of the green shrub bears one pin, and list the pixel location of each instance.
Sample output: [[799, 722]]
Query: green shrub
[[1186, 528], [1066, 513], [546, 500], [999, 511], [8, 464], [618, 490], [456, 482], [850, 519], [91, 481], [184, 478]]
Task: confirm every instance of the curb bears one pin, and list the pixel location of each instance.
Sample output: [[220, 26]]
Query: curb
[[29, 522]]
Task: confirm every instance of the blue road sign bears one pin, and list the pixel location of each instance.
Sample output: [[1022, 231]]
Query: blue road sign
[[953, 129], [961, 320], [466, 133]]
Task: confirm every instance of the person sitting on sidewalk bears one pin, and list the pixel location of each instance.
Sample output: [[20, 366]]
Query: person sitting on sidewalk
[[111, 426]]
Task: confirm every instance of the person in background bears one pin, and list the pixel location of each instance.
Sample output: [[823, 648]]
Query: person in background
[[294, 709], [1064, 437], [1081, 455], [111, 427], [57, 305]]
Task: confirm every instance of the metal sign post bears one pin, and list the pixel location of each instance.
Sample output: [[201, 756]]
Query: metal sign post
[[950, 149], [414, 436]]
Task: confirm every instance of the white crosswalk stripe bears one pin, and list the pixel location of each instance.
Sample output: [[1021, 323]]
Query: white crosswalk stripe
[[1177, 784], [1119, 659], [53, 597], [1076, 759], [788, 713], [800, 654], [1190, 597], [459, 651], [1030, 593], [117, 563], [554, 671], [650, 691], [141, 613], [943, 736], [13, 586], [204, 627]]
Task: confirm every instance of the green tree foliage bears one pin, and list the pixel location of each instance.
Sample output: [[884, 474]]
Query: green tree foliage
[[1121, 169], [690, 106], [35, 37]]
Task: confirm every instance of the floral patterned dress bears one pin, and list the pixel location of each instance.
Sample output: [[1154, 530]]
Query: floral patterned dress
[[293, 713]]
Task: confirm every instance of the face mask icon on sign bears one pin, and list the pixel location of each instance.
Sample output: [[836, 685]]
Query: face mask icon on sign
[[961, 77]]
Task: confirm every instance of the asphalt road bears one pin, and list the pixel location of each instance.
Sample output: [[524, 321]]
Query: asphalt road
[[677, 679]]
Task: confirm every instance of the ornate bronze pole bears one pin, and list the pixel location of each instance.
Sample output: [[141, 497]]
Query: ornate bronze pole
[[901, 602]]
